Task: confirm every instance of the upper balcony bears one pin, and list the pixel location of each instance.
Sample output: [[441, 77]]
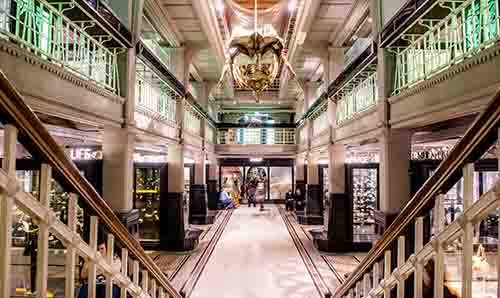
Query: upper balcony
[[248, 141], [63, 57], [446, 57]]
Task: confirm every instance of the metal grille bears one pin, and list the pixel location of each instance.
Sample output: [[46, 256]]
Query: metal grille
[[254, 136], [469, 27], [47, 32]]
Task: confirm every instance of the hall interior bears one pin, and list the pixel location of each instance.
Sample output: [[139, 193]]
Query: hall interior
[[249, 148]]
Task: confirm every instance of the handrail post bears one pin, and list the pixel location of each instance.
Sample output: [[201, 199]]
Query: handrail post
[[110, 250], [439, 263], [468, 241], [419, 266], [69, 282], [123, 291], [145, 281], [91, 281], [387, 273], [401, 261], [6, 204], [42, 260]]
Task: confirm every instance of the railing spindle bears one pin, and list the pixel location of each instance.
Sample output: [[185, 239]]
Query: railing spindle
[[401, 261], [110, 250], [387, 273], [145, 281], [92, 271], [153, 288], [439, 262], [69, 282], [123, 291], [136, 273], [419, 266], [43, 233], [6, 204]]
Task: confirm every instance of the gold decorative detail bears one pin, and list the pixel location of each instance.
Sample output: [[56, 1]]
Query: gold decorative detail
[[255, 60]]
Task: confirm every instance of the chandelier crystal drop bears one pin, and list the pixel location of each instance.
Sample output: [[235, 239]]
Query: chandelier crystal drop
[[254, 60]]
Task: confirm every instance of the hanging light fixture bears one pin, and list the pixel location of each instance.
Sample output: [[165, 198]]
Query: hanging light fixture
[[254, 60]]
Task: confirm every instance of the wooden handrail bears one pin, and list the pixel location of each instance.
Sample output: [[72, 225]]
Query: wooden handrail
[[478, 138], [34, 135]]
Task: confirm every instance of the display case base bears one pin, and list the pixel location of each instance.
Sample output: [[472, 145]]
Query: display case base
[[190, 241], [322, 243], [309, 219], [204, 219]]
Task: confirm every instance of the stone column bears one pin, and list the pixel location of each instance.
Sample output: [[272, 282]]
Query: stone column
[[338, 207], [198, 200], [213, 183], [313, 214], [395, 150], [118, 144], [118, 168], [300, 182]]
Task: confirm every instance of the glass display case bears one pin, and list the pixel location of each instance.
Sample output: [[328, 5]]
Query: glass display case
[[364, 191], [147, 200]]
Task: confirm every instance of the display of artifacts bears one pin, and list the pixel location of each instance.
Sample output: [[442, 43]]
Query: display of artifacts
[[147, 201], [280, 182], [256, 183], [232, 181], [187, 186], [365, 196]]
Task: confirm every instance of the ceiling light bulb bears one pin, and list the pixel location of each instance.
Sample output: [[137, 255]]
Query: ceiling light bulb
[[291, 5], [370, 20], [232, 50]]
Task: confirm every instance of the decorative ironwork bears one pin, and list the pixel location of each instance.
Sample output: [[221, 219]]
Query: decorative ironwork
[[153, 94], [47, 32], [469, 27], [254, 136], [358, 95]]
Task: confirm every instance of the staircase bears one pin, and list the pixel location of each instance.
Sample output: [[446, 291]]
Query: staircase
[[61, 222], [426, 254]]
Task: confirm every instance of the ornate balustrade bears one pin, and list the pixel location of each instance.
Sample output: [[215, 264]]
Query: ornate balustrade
[[429, 250], [252, 136], [45, 30], [64, 218], [153, 94], [358, 94], [433, 44]]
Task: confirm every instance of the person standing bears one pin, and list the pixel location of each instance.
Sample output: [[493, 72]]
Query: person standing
[[289, 202]]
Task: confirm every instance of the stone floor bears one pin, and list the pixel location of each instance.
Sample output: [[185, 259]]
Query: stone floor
[[255, 257], [253, 253]]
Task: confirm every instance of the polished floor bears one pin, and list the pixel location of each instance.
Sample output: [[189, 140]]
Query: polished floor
[[254, 258]]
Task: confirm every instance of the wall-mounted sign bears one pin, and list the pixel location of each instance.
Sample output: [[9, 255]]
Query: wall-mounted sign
[[430, 154], [138, 157], [362, 157], [85, 154]]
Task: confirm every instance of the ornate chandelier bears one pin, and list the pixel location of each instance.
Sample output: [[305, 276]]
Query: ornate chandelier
[[254, 61]]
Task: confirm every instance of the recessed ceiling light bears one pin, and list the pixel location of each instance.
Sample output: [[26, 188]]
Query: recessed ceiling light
[[292, 5], [370, 20], [234, 102]]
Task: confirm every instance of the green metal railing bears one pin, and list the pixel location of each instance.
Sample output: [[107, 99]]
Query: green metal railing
[[320, 123], [255, 136], [358, 95], [192, 120], [153, 94], [470, 27], [47, 32]]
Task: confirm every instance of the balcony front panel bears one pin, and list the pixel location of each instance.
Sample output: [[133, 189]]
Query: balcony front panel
[[47, 32], [256, 150], [434, 45], [461, 90], [153, 125], [253, 136], [362, 127], [53, 90]]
